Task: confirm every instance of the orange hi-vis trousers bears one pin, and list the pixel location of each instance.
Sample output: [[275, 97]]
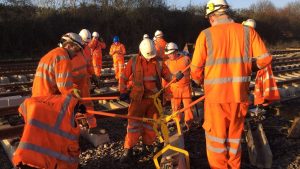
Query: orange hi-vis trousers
[[182, 94], [118, 65], [223, 125], [135, 129]]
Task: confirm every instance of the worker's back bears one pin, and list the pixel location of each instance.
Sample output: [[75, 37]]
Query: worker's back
[[229, 48], [53, 74]]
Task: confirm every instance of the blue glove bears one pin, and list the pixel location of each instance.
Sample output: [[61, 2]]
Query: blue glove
[[179, 75], [124, 96]]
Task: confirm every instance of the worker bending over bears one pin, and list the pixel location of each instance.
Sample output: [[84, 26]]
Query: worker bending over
[[146, 71], [222, 61], [54, 72]]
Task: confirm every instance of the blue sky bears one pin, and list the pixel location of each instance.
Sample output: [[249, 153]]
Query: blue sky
[[232, 3]]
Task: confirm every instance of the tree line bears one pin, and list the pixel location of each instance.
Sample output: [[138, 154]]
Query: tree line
[[29, 28]]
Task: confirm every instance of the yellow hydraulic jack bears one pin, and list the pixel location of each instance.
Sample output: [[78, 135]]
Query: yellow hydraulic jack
[[164, 135], [162, 123]]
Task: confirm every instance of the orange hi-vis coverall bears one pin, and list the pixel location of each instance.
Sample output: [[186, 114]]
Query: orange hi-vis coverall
[[265, 87], [81, 80], [50, 137], [181, 90], [87, 53], [146, 77], [53, 74], [160, 45], [117, 51], [97, 47], [224, 52]]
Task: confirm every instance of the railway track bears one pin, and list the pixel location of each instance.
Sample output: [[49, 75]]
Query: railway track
[[286, 71]]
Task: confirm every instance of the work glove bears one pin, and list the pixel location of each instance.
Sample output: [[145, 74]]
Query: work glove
[[179, 75], [76, 93], [194, 84], [80, 108], [124, 96], [254, 66]]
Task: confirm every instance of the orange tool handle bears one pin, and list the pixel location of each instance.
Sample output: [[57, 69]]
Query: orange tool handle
[[118, 115], [99, 98], [192, 104]]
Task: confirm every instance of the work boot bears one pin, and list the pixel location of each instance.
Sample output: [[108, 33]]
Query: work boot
[[127, 155]]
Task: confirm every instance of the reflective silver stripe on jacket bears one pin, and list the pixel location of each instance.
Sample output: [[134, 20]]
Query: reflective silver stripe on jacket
[[246, 41], [53, 130], [227, 80], [45, 66], [65, 84], [60, 58], [262, 56], [150, 78], [230, 60], [48, 152], [63, 75], [44, 76], [209, 44], [63, 111]]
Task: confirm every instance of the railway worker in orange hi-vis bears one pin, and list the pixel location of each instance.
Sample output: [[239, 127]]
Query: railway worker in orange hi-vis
[[87, 51], [117, 51], [50, 137], [54, 72], [146, 72], [225, 55], [160, 45], [97, 45], [181, 90], [81, 81]]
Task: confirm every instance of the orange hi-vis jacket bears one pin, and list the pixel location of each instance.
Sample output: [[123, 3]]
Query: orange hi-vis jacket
[[227, 68], [160, 45], [97, 47], [51, 136], [265, 86], [181, 90], [53, 74], [117, 51], [81, 81], [179, 64], [146, 77], [87, 53]]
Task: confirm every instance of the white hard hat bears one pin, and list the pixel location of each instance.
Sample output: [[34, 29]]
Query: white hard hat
[[72, 37], [158, 33], [95, 34], [216, 5], [146, 36], [147, 48], [250, 23], [85, 35], [170, 48]]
